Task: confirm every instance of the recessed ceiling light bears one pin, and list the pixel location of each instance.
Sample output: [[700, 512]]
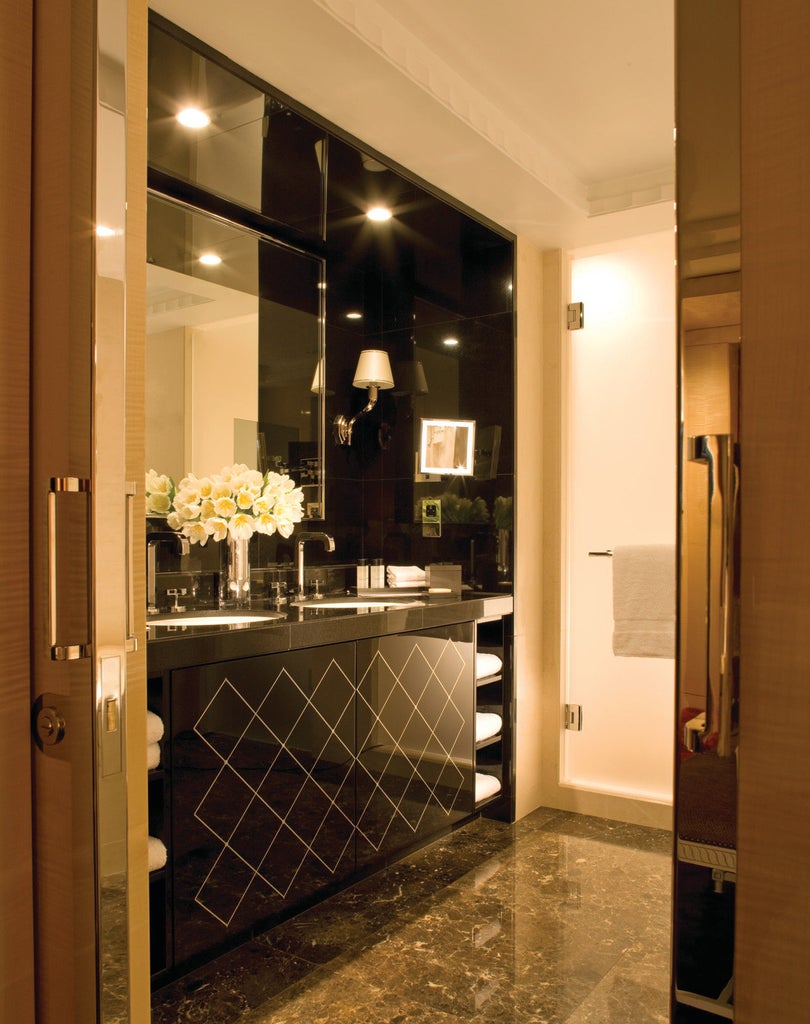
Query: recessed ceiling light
[[210, 259], [450, 341], [193, 117], [354, 315], [379, 213]]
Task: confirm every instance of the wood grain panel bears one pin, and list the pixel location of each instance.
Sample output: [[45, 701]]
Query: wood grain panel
[[773, 913], [135, 447], [61, 445], [16, 881]]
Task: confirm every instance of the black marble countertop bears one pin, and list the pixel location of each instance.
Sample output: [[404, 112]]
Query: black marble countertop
[[293, 627]]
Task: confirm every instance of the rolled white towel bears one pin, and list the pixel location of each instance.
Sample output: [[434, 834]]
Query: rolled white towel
[[485, 786], [157, 854], [487, 724], [487, 664], [407, 573], [154, 727], [152, 755]]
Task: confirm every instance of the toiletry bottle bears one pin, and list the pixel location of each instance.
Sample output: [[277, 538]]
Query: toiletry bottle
[[362, 574], [377, 573]]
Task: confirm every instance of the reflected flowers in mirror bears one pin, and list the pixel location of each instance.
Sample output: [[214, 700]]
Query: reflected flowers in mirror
[[234, 504], [159, 493]]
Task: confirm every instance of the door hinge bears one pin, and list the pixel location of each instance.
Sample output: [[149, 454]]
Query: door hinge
[[576, 316], [573, 717]]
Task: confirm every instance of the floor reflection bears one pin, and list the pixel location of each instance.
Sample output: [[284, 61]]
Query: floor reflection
[[559, 918]]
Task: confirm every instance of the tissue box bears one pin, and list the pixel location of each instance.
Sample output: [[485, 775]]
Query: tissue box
[[444, 575]]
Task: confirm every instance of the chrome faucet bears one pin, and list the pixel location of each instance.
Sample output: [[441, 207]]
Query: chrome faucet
[[328, 543], [153, 539]]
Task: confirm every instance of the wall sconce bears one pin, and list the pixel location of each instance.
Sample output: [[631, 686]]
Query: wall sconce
[[373, 372]]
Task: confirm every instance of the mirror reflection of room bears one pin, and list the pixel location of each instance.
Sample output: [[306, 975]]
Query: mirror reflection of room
[[231, 362]]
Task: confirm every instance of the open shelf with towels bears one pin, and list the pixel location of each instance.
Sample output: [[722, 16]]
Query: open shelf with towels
[[494, 789], [159, 816]]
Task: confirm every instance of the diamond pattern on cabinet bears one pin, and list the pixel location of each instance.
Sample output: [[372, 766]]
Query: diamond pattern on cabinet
[[282, 767], [409, 723]]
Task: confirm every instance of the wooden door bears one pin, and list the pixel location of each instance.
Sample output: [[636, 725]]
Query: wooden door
[[16, 890]]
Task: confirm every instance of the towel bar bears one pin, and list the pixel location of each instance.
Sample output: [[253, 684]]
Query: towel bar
[[604, 554]]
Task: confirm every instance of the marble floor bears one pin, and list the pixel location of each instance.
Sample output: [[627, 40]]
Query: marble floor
[[558, 918]]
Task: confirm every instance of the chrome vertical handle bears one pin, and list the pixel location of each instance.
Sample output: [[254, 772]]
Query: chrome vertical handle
[[131, 641], [718, 452], [61, 652]]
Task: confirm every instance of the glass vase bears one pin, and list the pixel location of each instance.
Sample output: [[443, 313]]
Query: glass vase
[[504, 552], [236, 591]]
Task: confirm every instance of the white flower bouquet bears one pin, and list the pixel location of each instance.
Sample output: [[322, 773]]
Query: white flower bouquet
[[233, 504]]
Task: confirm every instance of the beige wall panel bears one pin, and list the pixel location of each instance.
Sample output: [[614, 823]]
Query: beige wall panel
[[773, 897], [16, 885], [529, 568]]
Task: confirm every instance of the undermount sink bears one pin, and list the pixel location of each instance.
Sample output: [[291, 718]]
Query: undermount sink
[[213, 618], [349, 603]]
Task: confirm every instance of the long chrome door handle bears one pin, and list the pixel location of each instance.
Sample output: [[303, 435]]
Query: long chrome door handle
[[61, 652], [131, 641]]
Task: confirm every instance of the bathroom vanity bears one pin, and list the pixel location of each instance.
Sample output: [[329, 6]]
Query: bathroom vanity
[[307, 750]]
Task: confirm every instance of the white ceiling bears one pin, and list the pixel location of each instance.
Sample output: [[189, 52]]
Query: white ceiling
[[552, 117]]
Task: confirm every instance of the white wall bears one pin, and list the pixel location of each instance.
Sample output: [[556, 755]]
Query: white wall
[[224, 388], [621, 472], [165, 402]]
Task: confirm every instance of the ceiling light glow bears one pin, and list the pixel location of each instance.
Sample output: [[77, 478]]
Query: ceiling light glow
[[210, 259], [354, 315], [379, 213], [450, 341], [102, 231], [193, 117]]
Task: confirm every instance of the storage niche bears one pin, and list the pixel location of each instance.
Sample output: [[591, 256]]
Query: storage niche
[[494, 788]]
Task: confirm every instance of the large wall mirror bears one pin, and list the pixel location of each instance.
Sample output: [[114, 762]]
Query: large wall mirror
[[235, 351], [708, 708]]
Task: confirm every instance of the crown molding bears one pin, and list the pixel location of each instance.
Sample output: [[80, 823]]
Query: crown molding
[[381, 32]]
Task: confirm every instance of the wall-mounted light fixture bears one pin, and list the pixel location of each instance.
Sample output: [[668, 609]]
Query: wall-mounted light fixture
[[373, 372]]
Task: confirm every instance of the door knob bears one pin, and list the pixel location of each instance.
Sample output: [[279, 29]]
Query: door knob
[[49, 725]]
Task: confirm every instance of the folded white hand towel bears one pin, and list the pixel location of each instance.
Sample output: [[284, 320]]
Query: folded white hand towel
[[487, 724], [405, 572], [487, 664], [485, 786], [154, 727], [152, 755], [157, 854], [405, 584]]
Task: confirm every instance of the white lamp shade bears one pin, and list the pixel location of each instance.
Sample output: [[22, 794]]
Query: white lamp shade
[[373, 369], [318, 386]]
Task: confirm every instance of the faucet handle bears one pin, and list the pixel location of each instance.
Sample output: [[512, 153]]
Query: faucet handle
[[316, 593], [177, 594], [277, 596]]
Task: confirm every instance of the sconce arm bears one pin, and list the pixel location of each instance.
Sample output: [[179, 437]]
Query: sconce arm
[[342, 428]]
